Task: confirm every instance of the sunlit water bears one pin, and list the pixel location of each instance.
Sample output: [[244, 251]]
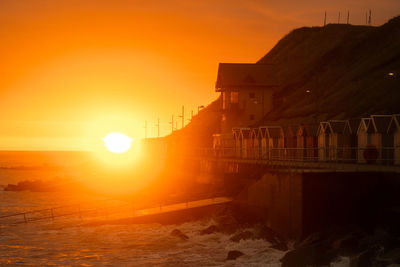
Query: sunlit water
[[66, 241]]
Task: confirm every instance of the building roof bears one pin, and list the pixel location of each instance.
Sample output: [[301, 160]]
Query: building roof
[[245, 76], [354, 123], [274, 131], [394, 123], [339, 126], [323, 128], [379, 123], [364, 124]]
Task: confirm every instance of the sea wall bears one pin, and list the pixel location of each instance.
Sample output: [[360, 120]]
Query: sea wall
[[296, 204]]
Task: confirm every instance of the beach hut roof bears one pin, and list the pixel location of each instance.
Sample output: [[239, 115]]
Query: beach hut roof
[[379, 123], [339, 126], [274, 131], [353, 124], [394, 123], [363, 126], [245, 132], [307, 130], [323, 128]]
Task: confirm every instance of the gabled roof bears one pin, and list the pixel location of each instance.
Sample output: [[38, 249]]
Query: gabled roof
[[364, 124], [339, 126], [245, 75], [245, 132], [254, 132], [262, 131], [274, 131], [323, 128], [290, 131], [379, 123], [353, 124], [394, 123]]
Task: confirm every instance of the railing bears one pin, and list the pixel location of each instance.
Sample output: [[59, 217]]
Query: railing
[[359, 155], [105, 210]]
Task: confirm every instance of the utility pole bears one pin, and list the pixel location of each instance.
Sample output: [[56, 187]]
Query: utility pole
[[338, 20], [183, 116], [192, 115], [145, 129], [158, 127], [348, 17], [325, 19], [172, 124]]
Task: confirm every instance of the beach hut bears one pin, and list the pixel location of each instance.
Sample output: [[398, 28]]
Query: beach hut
[[251, 143], [311, 139], [380, 139], [394, 130], [264, 148], [363, 139], [353, 124], [238, 142], [291, 142], [256, 143], [307, 142], [276, 142], [323, 141], [339, 140], [245, 141], [300, 142]]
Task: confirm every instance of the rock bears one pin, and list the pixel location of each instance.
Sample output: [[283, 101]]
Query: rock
[[178, 233], [209, 230], [347, 245], [234, 254], [368, 257], [280, 246], [228, 224], [269, 235], [393, 255], [316, 255], [242, 235]]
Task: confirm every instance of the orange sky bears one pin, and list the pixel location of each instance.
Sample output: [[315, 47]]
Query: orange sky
[[69, 68]]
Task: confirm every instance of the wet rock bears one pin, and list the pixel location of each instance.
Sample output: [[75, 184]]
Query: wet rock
[[315, 255], [209, 230], [280, 246], [234, 254], [228, 224], [368, 257], [179, 234], [269, 235], [346, 245], [242, 235]]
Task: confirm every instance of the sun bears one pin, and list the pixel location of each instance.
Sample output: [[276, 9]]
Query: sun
[[117, 142]]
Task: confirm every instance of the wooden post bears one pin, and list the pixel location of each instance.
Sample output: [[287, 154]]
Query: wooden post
[[25, 220]]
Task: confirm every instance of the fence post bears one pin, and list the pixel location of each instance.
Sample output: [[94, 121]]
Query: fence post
[[25, 220]]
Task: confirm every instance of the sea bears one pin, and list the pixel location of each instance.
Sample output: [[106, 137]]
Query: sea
[[48, 236]]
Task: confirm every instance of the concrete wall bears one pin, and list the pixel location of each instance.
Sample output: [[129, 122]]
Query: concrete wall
[[279, 197]]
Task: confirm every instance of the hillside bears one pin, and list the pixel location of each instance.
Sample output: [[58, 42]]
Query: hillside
[[345, 68]]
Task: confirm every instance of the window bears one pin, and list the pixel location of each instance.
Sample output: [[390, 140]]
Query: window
[[251, 117], [234, 97], [252, 95]]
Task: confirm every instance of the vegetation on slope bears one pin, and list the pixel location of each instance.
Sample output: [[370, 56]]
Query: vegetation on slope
[[336, 72]]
